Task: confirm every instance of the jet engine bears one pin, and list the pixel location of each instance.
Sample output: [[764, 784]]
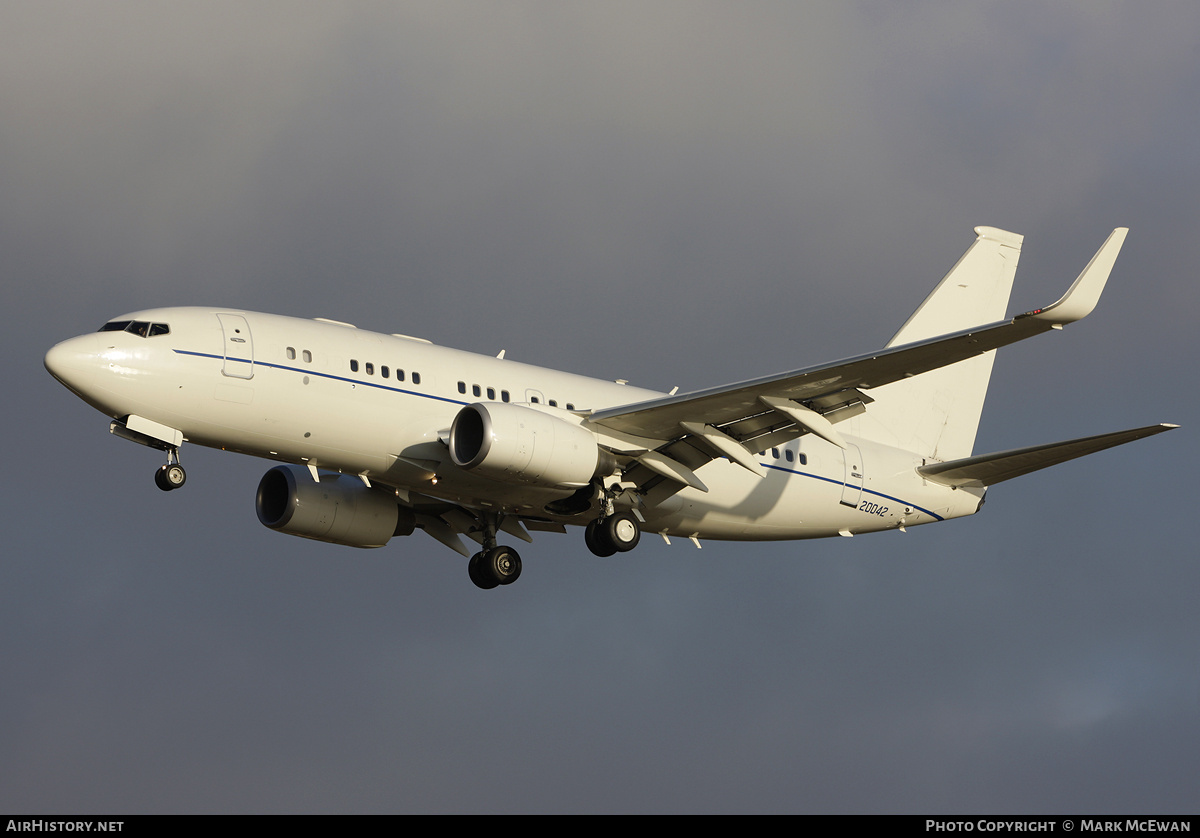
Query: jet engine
[[339, 509], [521, 444]]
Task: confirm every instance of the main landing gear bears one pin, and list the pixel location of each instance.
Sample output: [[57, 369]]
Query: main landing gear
[[170, 476], [616, 533], [494, 565]]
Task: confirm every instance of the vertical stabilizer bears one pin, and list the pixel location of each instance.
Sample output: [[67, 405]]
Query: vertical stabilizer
[[937, 414]]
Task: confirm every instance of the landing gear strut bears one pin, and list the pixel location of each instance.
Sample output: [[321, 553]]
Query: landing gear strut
[[494, 565], [617, 533], [170, 476]]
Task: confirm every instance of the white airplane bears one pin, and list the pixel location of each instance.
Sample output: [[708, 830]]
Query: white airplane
[[381, 435]]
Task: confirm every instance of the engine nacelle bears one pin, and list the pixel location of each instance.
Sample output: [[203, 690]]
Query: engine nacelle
[[524, 445], [339, 509]]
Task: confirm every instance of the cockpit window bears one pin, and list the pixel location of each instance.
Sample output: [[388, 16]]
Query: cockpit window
[[141, 328]]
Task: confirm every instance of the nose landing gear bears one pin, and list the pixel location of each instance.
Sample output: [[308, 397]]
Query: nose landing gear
[[170, 476]]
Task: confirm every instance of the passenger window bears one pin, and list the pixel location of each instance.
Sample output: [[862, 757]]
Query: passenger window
[[570, 406], [462, 387], [533, 399], [553, 403], [353, 365], [416, 378], [503, 395], [383, 371], [788, 453], [803, 459], [370, 368], [291, 353], [399, 375], [492, 393], [775, 453], [307, 357], [475, 391]]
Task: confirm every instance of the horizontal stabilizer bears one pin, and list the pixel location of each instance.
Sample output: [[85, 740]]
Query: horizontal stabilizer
[[986, 469]]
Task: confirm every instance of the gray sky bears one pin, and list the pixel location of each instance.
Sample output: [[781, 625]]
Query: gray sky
[[673, 193]]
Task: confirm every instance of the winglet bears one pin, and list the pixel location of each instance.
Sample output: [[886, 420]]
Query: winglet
[[1084, 293]]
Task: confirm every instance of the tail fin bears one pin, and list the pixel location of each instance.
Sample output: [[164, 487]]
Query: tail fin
[[937, 414]]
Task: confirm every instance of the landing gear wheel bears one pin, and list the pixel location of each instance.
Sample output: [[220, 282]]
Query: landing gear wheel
[[171, 476], [477, 574], [503, 564], [622, 531], [497, 566], [596, 542]]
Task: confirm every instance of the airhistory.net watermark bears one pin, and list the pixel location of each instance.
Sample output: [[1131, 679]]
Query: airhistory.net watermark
[[43, 825]]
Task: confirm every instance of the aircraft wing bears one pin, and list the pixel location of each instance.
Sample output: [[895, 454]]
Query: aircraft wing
[[445, 520], [739, 420], [660, 418]]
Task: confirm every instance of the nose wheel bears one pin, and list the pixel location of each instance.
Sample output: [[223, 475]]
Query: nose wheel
[[170, 476]]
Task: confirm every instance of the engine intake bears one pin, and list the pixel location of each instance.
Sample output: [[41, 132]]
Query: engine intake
[[339, 509], [520, 444]]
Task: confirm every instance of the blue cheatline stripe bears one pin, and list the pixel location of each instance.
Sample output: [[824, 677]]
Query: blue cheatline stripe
[[456, 401], [933, 515], [329, 376]]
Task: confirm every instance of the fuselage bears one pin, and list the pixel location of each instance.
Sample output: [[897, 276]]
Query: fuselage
[[331, 396]]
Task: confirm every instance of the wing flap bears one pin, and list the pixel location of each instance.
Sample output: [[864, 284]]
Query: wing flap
[[987, 469]]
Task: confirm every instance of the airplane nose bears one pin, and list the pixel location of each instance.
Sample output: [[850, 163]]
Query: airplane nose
[[56, 360], [65, 361]]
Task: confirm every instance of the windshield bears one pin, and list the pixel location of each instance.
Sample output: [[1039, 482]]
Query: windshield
[[141, 328]]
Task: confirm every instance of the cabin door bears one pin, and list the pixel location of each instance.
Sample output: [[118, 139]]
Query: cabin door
[[852, 482], [239, 346]]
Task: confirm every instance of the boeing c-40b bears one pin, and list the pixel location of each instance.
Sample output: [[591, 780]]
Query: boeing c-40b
[[380, 435]]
